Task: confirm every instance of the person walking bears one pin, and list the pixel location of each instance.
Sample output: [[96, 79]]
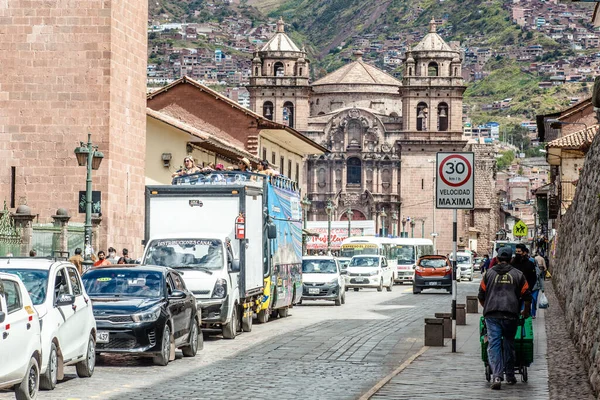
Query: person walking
[[112, 255], [541, 263], [77, 260], [501, 291], [485, 264], [101, 259], [128, 260], [522, 262], [535, 291]]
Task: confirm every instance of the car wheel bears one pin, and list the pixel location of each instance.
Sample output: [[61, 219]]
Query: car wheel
[[263, 316], [416, 291], [338, 301], [471, 278], [283, 312], [85, 368], [50, 377], [195, 338], [389, 288], [356, 289], [247, 321], [230, 330], [343, 298], [347, 289], [28, 388], [165, 349], [380, 287]]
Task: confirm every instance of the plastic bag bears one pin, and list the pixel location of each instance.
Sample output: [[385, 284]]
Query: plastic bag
[[543, 301]]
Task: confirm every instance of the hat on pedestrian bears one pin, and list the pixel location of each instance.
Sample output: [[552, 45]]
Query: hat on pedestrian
[[245, 161], [219, 167], [505, 253]]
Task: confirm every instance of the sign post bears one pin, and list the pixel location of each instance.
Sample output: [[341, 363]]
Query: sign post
[[455, 189], [520, 229]]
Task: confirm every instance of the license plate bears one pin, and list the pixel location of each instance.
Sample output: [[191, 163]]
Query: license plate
[[432, 283], [313, 291], [360, 279], [102, 337]]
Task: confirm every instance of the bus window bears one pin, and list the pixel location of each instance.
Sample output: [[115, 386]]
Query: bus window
[[404, 254], [424, 250], [351, 250]]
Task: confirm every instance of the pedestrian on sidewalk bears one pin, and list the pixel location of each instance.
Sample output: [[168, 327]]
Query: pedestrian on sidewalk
[[522, 262], [77, 260], [501, 291], [101, 259], [535, 291], [485, 264], [112, 255]]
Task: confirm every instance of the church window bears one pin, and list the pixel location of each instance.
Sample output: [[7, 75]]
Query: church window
[[297, 172], [289, 169], [317, 101], [422, 113], [255, 71], [432, 69], [410, 71], [268, 110], [442, 117], [273, 158], [386, 178], [321, 113], [288, 114], [300, 71], [354, 171], [264, 153], [394, 115], [322, 177], [354, 133], [282, 164], [278, 68]]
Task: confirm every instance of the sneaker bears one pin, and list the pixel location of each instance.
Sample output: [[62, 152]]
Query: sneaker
[[496, 384], [511, 380]]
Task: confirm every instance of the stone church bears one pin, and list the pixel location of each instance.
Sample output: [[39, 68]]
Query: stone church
[[382, 135]]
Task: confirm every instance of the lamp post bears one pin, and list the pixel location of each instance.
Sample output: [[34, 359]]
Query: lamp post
[[394, 223], [305, 202], [349, 214], [88, 156], [329, 210], [383, 215], [433, 232], [403, 227], [412, 228]]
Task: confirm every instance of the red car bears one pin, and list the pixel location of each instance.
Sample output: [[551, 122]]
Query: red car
[[433, 272]]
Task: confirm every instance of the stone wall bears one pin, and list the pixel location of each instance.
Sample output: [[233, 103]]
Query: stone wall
[[576, 265]]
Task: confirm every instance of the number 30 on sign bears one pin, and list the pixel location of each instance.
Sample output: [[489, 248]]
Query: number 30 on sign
[[455, 180]]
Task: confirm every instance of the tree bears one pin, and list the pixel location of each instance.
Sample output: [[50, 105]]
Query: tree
[[505, 159]]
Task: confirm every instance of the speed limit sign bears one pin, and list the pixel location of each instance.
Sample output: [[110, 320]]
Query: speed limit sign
[[455, 180]]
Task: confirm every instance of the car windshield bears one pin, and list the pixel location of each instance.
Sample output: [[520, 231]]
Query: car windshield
[[35, 280], [433, 263], [186, 253], [109, 282], [364, 262], [343, 263], [318, 267], [404, 254], [462, 259]]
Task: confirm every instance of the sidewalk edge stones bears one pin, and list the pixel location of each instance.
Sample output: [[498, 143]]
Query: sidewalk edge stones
[[389, 377]]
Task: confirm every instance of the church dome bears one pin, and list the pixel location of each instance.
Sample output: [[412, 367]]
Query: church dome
[[432, 41], [358, 72], [280, 41]]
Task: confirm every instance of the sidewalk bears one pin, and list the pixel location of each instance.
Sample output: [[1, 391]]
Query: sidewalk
[[439, 373]]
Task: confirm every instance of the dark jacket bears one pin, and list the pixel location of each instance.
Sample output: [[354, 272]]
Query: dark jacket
[[501, 290], [527, 267]]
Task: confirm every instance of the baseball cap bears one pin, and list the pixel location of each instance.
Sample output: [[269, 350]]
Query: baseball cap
[[505, 252]]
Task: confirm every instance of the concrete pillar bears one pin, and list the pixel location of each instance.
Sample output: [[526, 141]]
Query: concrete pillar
[[24, 222], [447, 318], [96, 221], [61, 220], [434, 332]]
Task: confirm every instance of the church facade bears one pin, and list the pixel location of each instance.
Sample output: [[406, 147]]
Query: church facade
[[382, 135]]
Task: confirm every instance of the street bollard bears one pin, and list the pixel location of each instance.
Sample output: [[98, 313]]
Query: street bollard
[[434, 332], [461, 315], [447, 317], [472, 305]]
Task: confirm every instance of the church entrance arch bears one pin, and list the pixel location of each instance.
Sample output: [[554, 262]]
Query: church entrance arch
[[356, 216]]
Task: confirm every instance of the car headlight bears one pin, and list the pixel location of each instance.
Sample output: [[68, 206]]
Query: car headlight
[[373, 273], [149, 316], [220, 290], [334, 281]]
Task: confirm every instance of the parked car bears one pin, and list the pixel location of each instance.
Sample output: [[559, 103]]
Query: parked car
[[20, 339], [322, 280], [464, 266], [143, 310], [68, 328], [433, 272], [370, 271]]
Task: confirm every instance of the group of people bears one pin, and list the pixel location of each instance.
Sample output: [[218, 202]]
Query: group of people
[[509, 289], [101, 259], [243, 165]]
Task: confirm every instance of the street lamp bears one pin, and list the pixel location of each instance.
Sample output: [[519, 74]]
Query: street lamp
[[88, 156], [412, 228], [433, 232], [383, 215], [305, 202], [330, 210], [349, 214], [403, 227]]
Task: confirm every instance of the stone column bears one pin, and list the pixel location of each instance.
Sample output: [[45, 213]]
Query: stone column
[[61, 220], [24, 222], [96, 220]]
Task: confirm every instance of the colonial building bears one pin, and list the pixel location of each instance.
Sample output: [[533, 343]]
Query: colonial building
[[382, 134]]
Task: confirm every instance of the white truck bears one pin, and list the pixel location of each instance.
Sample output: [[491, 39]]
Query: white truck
[[237, 240]]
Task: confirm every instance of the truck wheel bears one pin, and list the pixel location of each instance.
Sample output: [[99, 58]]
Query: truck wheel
[[380, 287], [247, 321], [231, 329], [263, 316], [283, 312], [389, 288]]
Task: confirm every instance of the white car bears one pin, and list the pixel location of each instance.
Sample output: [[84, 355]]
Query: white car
[[322, 280], [370, 271], [20, 341], [464, 266], [68, 327]]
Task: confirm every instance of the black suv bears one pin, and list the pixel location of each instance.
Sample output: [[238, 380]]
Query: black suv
[[143, 310]]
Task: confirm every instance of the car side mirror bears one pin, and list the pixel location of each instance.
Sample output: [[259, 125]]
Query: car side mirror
[[272, 231], [177, 295], [65, 300], [234, 266], [2, 316]]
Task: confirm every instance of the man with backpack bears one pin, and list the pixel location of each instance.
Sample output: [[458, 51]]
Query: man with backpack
[[501, 291]]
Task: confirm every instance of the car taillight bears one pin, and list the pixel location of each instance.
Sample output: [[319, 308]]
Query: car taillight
[[448, 271], [419, 271]]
